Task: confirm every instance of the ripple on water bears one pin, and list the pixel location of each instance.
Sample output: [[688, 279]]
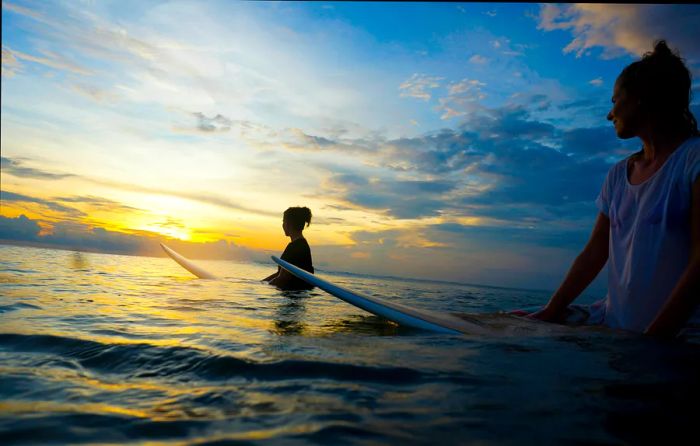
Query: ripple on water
[[139, 352], [184, 363], [18, 306]]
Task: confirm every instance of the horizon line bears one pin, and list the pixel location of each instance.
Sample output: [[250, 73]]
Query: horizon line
[[40, 245]]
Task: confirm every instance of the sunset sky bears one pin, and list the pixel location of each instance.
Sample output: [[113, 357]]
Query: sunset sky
[[462, 142]]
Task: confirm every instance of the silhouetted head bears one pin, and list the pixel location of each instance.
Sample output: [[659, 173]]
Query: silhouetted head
[[295, 218], [653, 93]]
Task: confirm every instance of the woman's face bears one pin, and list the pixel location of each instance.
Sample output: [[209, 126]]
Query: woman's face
[[625, 113], [285, 227]]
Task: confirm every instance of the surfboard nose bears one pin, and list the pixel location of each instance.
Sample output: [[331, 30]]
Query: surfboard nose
[[187, 264]]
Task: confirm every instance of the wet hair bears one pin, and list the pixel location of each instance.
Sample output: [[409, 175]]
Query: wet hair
[[297, 216], [662, 83]]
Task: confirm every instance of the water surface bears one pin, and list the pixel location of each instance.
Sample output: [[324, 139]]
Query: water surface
[[109, 349]]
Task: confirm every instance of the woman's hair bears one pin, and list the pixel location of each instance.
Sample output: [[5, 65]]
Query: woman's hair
[[662, 83], [297, 216]]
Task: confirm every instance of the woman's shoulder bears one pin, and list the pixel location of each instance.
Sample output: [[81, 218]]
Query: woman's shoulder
[[618, 170], [300, 243], [691, 160], [693, 141], [692, 148]]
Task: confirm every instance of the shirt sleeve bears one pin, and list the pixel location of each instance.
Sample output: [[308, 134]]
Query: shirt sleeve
[[603, 200], [692, 165]]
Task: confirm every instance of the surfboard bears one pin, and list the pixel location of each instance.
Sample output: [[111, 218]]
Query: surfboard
[[188, 265], [393, 311], [481, 324]]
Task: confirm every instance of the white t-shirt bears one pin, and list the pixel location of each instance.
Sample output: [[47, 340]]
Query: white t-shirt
[[649, 237]]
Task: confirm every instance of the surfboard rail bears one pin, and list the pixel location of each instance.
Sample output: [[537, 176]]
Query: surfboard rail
[[393, 311]]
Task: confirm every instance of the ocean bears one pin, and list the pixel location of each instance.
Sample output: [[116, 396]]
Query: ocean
[[110, 349]]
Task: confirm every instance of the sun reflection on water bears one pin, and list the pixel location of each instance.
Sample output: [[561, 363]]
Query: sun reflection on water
[[113, 349]]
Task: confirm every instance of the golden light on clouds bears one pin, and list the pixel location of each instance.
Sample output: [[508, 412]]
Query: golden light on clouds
[[169, 231]]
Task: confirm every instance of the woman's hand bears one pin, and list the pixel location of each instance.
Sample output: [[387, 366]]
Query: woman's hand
[[661, 331], [547, 314]]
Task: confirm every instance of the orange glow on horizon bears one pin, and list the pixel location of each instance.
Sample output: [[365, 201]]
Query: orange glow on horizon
[[176, 233], [8, 210], [193, 225]]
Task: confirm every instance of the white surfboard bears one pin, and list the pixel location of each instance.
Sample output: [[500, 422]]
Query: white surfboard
[[188, 265], [401, 314]]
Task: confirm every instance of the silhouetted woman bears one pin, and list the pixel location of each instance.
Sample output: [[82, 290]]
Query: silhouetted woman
[[297, 251], [648, 224]]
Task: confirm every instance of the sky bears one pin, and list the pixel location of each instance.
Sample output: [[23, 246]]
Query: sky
[[450, 141]]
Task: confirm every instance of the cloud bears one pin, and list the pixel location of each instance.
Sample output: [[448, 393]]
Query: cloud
[[98, 203], [596, 82], [472, 254], [478, 59], [264, 138], [624, 29], [592, 110], [399, 198], [593, 141], [509, 123], [79, 29], [20, 228], [447, 233], [50, 59], [504, 46], [198, 197], [21, 10], [10, 64], [213, 59], [68, 212], [82, 237], [218, 123], [584, 103], [462, 97], [296, 139], [93, 92], [418, 86], [14, 167], [499, 164]]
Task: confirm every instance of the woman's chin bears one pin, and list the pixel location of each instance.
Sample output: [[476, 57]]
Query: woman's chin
[[624, 134]]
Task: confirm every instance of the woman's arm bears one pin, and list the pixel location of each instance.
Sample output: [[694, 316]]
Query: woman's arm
[[685, 296], [272, 276], [282, 279], [584, 269]]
